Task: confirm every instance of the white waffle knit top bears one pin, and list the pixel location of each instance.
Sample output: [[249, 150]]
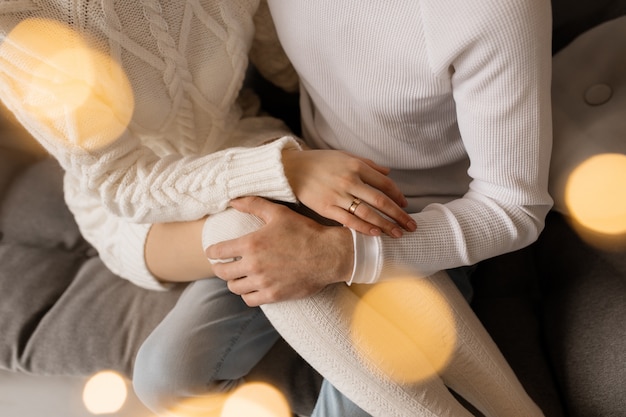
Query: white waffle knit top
[[453, 95], [137, 99]]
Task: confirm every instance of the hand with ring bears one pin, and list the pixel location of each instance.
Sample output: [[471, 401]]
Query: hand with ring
[[353, 191]]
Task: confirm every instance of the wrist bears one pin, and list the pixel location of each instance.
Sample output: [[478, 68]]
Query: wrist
[[259, 171], [292, 163], [343, 253]]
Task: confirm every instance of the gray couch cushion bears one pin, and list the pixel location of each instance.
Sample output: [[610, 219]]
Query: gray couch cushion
[[33, 211], [584, 306], [11, 162], [62, 310], [31, 281], [97, 323], [64, 314], [584, 287]]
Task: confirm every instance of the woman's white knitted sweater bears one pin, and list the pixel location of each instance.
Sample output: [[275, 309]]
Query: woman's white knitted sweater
[[154, 133]]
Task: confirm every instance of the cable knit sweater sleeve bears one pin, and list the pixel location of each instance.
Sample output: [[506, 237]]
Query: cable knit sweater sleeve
[[121, 243], [166, 160], [139, 104]]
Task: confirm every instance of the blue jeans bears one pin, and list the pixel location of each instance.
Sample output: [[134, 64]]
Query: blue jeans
[[211, 340], [332, 403], [207, 344]]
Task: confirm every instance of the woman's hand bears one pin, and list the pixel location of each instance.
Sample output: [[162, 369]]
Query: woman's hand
[[353, 191]]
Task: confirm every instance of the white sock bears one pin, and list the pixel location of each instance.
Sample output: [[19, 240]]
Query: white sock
[[227, 225]]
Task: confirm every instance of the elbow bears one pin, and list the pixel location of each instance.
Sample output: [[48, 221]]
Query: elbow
[[531, 222]]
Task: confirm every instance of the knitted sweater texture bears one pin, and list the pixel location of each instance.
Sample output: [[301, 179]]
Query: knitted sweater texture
[[138, 100]]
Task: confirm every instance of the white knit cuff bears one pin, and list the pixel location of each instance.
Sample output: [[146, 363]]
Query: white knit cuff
[[259, 171], [131, 258], [367, 264]]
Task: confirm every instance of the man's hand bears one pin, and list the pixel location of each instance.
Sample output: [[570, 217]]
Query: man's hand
[[290, 257]]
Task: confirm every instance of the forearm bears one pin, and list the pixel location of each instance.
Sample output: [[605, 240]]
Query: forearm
[[174, 252], [150, 256], [462, 232], [181, 188]]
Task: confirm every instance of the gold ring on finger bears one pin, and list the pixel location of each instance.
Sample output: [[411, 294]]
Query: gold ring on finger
[[354, 205]]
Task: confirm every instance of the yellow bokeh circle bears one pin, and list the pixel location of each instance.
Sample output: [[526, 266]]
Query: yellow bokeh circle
[[105, 393], [66, 87], [249, 399], [595, 194], [256, 399], [404, 326]]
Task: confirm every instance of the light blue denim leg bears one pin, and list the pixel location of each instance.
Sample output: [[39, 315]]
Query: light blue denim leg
[[207, 343], [332, 403]]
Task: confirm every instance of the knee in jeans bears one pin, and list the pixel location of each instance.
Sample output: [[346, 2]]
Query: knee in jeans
[[150, 379], [162, 377]]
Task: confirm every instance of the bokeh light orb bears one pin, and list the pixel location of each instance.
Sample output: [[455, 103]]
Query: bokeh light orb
[[256, 399], [405, 326], [105, 393], [595, 194], [66, 88]]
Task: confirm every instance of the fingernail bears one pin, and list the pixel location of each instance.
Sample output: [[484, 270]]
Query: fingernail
[[375, 232], [395, 232], [411, 225]]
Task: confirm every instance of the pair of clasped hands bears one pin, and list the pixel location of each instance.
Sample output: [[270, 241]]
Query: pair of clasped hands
[[293, 256]]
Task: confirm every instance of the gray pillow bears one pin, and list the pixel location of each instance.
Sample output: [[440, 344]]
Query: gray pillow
[[61, 310], [31, 281], [584, 305], [11, 162], [33, 211], [99, 322], [60, 315]]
